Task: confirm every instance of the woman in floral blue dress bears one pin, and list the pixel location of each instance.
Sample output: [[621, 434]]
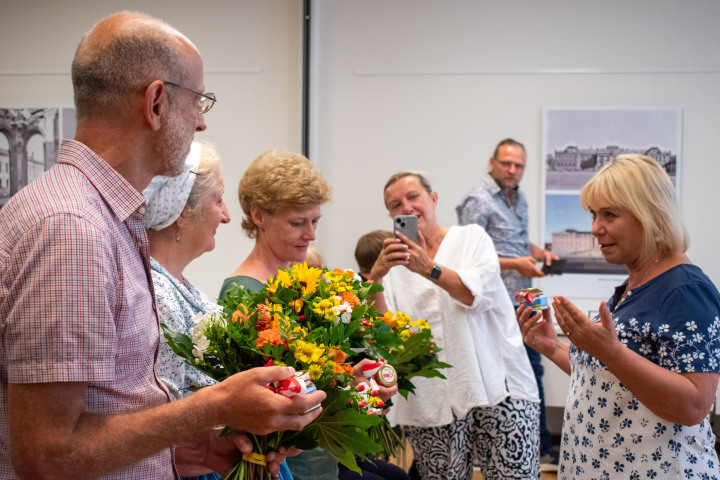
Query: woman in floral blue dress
[[644, 372]]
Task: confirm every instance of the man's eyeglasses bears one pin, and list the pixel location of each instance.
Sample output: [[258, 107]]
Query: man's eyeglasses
[[508, 165], [207, 100]]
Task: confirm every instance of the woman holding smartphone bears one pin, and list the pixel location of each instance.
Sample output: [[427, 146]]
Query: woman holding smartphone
[[489, 402]]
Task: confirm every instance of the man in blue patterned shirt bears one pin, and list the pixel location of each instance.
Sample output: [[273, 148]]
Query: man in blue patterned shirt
[[501, 209]]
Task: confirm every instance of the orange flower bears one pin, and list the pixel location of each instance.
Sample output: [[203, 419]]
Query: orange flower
[[264, 319], [350, 298], [337, 356], [344, 368], [271, 336], [389, 318], [241, 313]]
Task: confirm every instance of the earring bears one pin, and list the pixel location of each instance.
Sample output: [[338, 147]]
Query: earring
[[177, 239]]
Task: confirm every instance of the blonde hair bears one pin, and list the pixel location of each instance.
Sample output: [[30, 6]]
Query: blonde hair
[[280, 180], [314, 257], [638, 184]]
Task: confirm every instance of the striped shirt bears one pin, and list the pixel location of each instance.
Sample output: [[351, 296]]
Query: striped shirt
[[76, 301]]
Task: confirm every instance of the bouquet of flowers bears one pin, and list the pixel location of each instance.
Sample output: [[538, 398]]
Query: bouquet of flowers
[[317, 321]]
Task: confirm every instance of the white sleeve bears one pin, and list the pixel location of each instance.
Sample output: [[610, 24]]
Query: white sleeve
[[479, 268]]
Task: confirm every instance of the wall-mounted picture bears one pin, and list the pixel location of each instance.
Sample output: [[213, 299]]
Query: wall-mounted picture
[[29, 142], [577, 143]]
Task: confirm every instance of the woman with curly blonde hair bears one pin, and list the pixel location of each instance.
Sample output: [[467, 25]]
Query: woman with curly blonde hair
[[281, 195]]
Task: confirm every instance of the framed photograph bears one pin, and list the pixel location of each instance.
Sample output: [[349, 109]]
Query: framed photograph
[[577, 142], [29, 143]]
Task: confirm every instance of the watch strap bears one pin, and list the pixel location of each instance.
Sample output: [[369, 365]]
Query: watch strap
[[435, 272]]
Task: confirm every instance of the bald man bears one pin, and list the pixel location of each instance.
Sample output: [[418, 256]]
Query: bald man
[[78, 393]]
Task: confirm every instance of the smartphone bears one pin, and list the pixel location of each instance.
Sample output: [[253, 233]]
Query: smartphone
[[407, 225], [556, 267]]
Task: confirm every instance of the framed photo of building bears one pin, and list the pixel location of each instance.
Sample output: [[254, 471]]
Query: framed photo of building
[[29, 143], [577, 142]]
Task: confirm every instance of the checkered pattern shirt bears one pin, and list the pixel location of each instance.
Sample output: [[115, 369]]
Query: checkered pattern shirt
[[76, 301]]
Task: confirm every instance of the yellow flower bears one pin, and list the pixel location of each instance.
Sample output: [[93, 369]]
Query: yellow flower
[[283, 278], [402, 319], [272, 286], [324, 307], [338, 281], [307, 277], [405, 334], [420, 324], [307, 352], [375, 402], [315, 371], [296, 305]]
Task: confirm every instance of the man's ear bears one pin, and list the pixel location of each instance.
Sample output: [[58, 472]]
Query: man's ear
[[154, 104]]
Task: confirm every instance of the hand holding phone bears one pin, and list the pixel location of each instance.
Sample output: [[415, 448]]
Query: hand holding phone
[[407, 225], [556, 267]]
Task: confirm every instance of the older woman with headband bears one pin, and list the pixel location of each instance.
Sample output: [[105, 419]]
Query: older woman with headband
[[489, 403], [644, 372], [183, 214]]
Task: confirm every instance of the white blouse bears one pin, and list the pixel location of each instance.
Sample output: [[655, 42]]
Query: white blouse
[[482, 341]]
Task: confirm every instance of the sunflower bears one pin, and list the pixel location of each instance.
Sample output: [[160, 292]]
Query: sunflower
[[307, 277]]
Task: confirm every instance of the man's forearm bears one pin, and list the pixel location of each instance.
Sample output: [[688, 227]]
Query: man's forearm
[[44, 447], [508, 263]]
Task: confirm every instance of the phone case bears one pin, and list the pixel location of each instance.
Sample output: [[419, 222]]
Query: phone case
[[407, 225], [556, 267]]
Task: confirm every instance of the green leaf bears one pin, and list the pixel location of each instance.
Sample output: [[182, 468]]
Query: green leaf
[[180, 343], [339, 430]]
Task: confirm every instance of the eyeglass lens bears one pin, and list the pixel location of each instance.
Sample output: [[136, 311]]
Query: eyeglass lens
[[207, 100]]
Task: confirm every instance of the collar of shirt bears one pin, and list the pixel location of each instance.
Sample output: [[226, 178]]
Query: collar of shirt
[[510, 198], [117, 192]]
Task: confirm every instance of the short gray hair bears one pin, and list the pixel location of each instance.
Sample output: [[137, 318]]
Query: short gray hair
[[104, 74]]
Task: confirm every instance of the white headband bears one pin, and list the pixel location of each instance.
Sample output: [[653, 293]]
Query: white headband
[[166, 196]]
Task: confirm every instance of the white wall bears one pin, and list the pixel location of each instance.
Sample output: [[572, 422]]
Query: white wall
[[252, 54], [433, 86]]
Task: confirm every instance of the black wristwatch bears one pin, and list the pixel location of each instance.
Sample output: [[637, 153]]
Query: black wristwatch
[[435, 272]]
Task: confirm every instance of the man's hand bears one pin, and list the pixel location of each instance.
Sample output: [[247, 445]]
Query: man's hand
[[213, 453], [246, 404], [526, 266]]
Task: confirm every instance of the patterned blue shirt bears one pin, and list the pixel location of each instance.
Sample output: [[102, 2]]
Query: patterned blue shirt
[[674, 321], [485, 205]]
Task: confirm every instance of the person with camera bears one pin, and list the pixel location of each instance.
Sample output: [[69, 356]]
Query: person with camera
[[489, 403]]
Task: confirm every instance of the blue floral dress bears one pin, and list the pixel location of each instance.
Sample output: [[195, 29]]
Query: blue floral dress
[[673, 321]]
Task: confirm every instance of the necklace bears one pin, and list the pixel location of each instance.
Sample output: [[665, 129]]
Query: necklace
[[628, 291]]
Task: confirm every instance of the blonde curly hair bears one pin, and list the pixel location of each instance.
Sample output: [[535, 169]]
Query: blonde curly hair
[[280, 180]]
